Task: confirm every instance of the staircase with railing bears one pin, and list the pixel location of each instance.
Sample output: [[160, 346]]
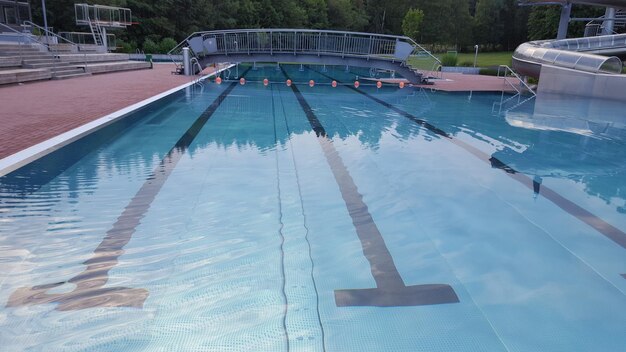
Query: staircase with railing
[[595, 27], [33, 56]]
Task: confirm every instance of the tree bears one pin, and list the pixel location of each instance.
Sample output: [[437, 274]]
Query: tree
[[488, 24], [346, 15], [412, 22], [439, 21], [317, 13], [461, 31]]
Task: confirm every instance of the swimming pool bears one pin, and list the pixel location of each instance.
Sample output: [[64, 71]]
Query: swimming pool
[[250, 218]]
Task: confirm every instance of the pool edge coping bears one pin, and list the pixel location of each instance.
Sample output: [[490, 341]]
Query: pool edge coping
[[41, 149]]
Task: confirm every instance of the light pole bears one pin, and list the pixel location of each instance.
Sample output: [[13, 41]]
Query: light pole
[[476, 54], [45, 20]]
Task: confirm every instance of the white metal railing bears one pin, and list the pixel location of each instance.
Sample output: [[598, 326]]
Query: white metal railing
[[106, 16], [301, 41], [48, 32], [25, 38], [86, 38]]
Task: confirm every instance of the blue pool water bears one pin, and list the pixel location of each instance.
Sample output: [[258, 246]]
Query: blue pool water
[[250, 218]]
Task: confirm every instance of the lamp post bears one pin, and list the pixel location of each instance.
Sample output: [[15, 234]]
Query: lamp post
[[476, 54], [45, 20]]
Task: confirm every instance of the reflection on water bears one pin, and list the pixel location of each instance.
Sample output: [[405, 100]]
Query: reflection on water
[[579, 139], [584, 116]]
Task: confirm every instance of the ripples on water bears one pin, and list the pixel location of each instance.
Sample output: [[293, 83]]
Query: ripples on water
[[220, 252]]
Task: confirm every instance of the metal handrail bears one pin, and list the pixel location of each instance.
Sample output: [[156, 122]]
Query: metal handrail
[[30, 39], [507, 70], [29, 23], [79, 38]]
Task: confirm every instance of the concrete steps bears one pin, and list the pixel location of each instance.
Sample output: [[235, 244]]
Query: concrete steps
[[116, 66], [72, 75], [21, 63], [46, 64], [24, 75]]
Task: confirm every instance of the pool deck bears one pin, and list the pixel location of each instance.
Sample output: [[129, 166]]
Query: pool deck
[[459, 82], [35, 112]]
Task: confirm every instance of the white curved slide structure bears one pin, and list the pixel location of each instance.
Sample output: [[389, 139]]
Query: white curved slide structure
[[576, 53]]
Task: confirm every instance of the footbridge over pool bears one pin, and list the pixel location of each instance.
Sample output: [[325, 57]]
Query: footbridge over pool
[[325, 47]]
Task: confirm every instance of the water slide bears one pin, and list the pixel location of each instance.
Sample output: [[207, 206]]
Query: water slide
[[582, 54]]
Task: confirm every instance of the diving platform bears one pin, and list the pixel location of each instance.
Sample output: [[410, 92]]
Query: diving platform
[[323, 47]]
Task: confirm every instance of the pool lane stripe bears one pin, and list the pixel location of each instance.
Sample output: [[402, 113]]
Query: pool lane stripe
[[90, 291], [390, 289], [600, 225]]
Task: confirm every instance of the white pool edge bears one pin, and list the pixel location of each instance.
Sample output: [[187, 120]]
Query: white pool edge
[[30, 154]]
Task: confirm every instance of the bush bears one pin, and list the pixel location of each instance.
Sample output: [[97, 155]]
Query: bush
[[449, 60], [488, 71], [166, 45], [150, 47], [466, 64], [126, 47]]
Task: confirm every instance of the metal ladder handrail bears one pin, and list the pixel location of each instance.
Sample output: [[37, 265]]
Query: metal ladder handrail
[[507, 71]]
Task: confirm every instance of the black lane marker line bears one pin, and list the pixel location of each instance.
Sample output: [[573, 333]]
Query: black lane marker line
[[282, 225], [600, 225], [390, 290], [306, 235], [90, 291]]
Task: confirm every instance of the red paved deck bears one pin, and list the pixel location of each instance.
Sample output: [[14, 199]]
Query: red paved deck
[[458, 82], [34, 112]]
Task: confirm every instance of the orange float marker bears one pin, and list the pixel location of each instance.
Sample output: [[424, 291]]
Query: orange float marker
[[288, 83], [311, 83], [379, 84], [356, 84], [401, 85], [266, 82], [334, 84], [242, 81], [218, 80]]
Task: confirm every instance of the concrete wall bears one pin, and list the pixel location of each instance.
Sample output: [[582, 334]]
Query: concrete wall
[[557, 80], [463, 70]]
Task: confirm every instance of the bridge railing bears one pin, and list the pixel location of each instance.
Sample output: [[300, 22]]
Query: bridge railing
[[299, 42]]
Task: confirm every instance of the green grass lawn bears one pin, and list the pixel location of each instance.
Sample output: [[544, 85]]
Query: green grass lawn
[[484, 59]]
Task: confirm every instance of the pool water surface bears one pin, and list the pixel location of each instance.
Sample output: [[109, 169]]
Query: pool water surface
[[294, 218]]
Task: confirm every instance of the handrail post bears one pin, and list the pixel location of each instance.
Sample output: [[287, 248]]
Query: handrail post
[[319, 43]]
